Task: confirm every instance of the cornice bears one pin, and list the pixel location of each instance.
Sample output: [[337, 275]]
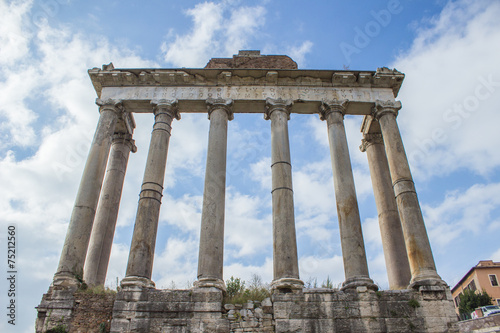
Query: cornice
[[109, 76]]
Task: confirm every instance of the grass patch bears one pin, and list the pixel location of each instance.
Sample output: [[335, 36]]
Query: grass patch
[[98, 290], [414, 303]]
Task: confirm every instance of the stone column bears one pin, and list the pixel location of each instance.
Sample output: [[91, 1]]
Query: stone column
[[423, 268], [142, 249], [72, 259], [101, 240], [396, 259], [211, 256], [351, 237], [285, 260]]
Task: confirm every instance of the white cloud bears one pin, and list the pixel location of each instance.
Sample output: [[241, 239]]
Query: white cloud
[[298, 53], [319, 130], [117, 265], [183, 212], [187, 147], [14, 34], [245, 272], [177, 263], [219, 29], [449, 113], [313, 189], [462, 213], [321, 268], [261, 172], [190, 50], [377, 268], [371, 232], [248, 228], [244, 22]]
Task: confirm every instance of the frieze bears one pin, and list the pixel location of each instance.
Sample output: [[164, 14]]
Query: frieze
[[249, 93]]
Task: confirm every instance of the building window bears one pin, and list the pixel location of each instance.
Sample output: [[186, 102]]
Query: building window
[[498, 301], [457, 301], [472, 285], [493, 280]]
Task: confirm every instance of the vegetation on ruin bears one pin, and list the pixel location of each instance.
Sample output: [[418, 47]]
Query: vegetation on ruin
[[413, 303], [238, 293], [313, 283], [98, 290]]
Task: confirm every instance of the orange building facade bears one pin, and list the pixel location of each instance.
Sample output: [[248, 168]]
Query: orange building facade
[[484, 276]]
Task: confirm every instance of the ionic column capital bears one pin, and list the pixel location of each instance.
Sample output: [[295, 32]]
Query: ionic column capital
[[220, 103], [109, 104], [168, 106], [277, 105], [334, 105], [371, 139], [125, 138], [385, 107]]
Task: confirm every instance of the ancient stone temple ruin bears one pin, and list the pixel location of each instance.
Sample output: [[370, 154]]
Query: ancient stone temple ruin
[[418, 299]]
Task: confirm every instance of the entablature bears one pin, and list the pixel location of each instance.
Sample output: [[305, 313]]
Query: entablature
[[249, 88]]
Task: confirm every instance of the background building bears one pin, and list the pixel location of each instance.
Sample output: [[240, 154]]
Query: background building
[[483, 276]]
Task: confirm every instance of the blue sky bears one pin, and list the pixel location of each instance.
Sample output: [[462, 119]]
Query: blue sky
[[449, 122]]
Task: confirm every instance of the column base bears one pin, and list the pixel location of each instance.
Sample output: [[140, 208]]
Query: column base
[[136, 283], [355, 282], [65, 280], [287, 285], [426, 278], [210, 283]]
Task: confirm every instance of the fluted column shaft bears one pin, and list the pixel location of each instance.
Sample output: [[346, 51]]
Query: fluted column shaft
[[82, 218], [142, 249], [101, 240], [351, 236], [285, 259], [423, 268], [211, 255], [396, 259]]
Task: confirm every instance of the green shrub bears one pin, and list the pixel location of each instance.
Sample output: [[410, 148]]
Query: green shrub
[[414, 303], [237, 293], [99, 290], [328, 283]]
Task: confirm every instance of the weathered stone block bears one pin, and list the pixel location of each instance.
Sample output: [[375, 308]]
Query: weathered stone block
[[248, 305], [258, 313], [320, 295], [397, 325], [369, 309], [132, 296], [287, 297], [267, 306], [289, 325]]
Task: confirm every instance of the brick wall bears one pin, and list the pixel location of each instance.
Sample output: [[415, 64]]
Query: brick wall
[[92, 313]]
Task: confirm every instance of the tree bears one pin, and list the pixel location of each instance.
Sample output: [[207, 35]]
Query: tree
[[257, 290], [470, 300], [328, 283], [238, 293], [234, 287]]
